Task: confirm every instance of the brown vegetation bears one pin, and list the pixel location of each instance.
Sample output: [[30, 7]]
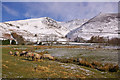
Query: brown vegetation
[[96, 64], [19, 38], [109, 67], [114, 41], [85, 63]]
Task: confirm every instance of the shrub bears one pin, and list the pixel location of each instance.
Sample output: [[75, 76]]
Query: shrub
[[79, 39], [114, 41], [13, 42], [40, 43], [97, 39], [6, 42]]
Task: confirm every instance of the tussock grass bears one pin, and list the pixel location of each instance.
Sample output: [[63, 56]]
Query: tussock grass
[[109, 67], [85, 63], [95, 65]]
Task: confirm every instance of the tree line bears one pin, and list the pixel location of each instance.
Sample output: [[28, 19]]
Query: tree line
[[7, 42], [98, 39], [94, 39]]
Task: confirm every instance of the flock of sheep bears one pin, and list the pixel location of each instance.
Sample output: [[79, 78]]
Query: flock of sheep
[[35, 56]]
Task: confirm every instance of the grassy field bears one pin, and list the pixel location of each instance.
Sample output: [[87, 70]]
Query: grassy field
[[20, 67], [101, 55]]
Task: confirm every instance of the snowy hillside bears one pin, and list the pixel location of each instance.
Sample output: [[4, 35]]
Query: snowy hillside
[[44, 29], [41, 27], [73, 24], [102, 25]]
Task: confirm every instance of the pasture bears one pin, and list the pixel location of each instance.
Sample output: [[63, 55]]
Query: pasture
[[20, 67], [101, 55]]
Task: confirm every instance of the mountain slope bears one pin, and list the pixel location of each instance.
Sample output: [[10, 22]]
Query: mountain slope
[[102, 25], [32, 29], [45, 28], [73, 24]]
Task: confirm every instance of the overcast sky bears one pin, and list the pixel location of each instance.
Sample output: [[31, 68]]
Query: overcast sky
[[60, 11]]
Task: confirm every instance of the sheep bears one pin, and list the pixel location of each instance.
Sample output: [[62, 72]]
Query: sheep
[[24, 53], [10, 52], [29, 54], [16, 53], [37, 56], [34, 56], [48, 56]]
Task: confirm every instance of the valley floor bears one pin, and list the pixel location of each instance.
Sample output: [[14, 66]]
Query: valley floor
[[20, 67]]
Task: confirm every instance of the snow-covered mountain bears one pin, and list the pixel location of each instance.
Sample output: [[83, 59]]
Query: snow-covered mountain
[[73, 24], [42, 29], [103, 24], [34, 29]]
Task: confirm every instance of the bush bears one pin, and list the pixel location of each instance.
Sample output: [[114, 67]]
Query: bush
[[6, 42], [40, 43], [13, 42], [114, 41], [79, 39], [97, 39]]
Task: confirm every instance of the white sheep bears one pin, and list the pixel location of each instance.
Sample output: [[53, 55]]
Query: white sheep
[[37, 56], [48, 56], [10, 52]]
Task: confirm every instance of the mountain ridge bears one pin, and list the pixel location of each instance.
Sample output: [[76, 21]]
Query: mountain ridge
[[103, 24], [100, 24]]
